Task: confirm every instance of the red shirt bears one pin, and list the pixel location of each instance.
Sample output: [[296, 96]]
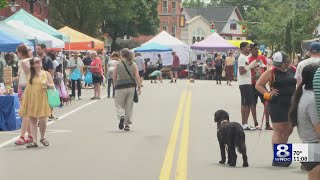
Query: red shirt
[[95, 62], [176, 61], [257, 72]]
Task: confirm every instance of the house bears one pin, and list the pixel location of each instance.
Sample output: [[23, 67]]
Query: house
[[225, 21], [195, 30], [40, 10]]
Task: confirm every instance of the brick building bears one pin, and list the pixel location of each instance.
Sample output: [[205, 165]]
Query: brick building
[[40, 9], [168, 14]]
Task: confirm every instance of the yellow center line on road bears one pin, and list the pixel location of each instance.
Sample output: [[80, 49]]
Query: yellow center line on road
[[181, 172], [167, 163]]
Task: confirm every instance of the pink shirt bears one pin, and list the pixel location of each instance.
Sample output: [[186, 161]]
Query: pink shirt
[[95, 62], [176, 61]]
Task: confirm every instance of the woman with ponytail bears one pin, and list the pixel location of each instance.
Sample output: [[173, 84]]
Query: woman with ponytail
[[35, 104], [282, 87], [303, 114], [23, 55]]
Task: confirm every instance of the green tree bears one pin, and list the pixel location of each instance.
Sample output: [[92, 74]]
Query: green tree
[[131, 18], [82, 15], [3, 3], [193, 3]]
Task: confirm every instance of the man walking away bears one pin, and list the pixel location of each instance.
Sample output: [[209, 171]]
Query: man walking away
[[175, 67], [314, 51], [141, 66]]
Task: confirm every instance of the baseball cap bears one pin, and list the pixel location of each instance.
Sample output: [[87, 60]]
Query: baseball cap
[[314, 47], [279, 58], [253, 45]]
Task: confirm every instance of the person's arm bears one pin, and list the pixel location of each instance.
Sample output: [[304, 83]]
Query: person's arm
[[144, 66], [50, 83], [115, 73], [25, 67], [261, 85], [317, 128], [136, 73], [50, 67], [298, 74]]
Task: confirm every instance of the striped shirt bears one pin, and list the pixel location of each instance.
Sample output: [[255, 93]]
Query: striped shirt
[[316, 89]]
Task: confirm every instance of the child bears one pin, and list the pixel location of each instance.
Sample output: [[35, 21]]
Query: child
[[156, 75], [59, 84]]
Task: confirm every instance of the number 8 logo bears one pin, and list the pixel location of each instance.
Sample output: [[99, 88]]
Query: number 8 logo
[[283, 151]]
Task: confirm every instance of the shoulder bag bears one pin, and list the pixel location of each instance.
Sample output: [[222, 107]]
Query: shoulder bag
[[135, 97]]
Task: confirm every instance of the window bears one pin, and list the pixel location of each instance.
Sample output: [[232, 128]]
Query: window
[[164, 27], [202, 38], [173, 32], [238, 38], [174, 7], [46, 21], [47, 1], [233, 26], [165, 7], [193, 39]]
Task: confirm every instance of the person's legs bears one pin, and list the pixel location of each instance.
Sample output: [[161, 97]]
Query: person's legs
[[176, 76], [99, 90], [73, 88], [171, 75], [109, 87], [129, 106], [24, 129], [280, 132], [79, 87], [314, 174], [119, 100], [43, 126], [34, 128]]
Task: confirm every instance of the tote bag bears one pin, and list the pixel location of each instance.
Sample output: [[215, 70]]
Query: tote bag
[[53, 97], [88, 77], [75, 74]]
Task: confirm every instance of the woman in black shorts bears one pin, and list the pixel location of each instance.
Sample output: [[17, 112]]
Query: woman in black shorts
[[96, 70], [303, 114], [283, 84]]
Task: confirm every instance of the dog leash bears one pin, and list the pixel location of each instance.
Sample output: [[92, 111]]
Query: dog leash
[[262, 120]]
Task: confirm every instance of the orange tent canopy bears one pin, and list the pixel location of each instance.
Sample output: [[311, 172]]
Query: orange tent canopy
[[80, 41]]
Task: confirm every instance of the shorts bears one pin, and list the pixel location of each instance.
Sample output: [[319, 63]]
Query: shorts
[[257, 95], [96, 78], [174, 69], [141, 73], [247, 95], [278, 109], [310, 165], [153, 77]]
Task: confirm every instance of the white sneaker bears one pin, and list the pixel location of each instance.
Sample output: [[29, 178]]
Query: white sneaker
[[248, 128]]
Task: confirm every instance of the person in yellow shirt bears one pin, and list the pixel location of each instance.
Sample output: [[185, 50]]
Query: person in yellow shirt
[[229, 68]]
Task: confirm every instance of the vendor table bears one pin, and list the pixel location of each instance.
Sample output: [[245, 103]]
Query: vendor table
[[9, 113]]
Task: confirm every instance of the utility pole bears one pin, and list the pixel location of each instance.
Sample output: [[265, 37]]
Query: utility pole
[[31, 2]]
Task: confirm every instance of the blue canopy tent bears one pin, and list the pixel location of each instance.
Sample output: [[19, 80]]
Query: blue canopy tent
[[153, 47], [9, 43]]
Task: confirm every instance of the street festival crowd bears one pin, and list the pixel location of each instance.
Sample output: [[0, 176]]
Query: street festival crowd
[[290, 92]]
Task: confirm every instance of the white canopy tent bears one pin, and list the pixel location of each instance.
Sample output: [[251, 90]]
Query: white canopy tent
[[41, 37], [177, 46]]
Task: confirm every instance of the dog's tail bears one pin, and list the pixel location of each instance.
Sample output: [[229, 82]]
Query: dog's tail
[[241, 143]]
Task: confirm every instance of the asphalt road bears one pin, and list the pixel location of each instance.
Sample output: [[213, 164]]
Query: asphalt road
[[173, 136]]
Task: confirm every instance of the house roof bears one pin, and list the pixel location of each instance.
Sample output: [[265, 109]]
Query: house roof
[[220, 15]]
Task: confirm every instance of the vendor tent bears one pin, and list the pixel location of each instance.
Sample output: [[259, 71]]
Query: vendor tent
[[9, 43], [178, 46], [80, 41], [37, 35], [153, 47], [36, 23], [213, 42]]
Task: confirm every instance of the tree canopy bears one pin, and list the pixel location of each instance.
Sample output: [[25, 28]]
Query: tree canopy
[[114, 17], [3, 3]]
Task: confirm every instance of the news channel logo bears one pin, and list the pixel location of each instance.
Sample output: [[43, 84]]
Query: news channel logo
[[282, 152]]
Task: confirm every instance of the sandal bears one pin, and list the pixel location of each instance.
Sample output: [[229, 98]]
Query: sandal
[[32, 145], [20, 141], [127, 128], [93, 98], [29, 140], [44, 142]]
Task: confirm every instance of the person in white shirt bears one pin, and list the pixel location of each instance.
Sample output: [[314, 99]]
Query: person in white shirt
[[115, 58], [244, 81], [75, 63], [314, 50]]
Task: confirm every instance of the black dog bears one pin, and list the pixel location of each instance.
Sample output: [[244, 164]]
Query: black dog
[[232, 135]]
